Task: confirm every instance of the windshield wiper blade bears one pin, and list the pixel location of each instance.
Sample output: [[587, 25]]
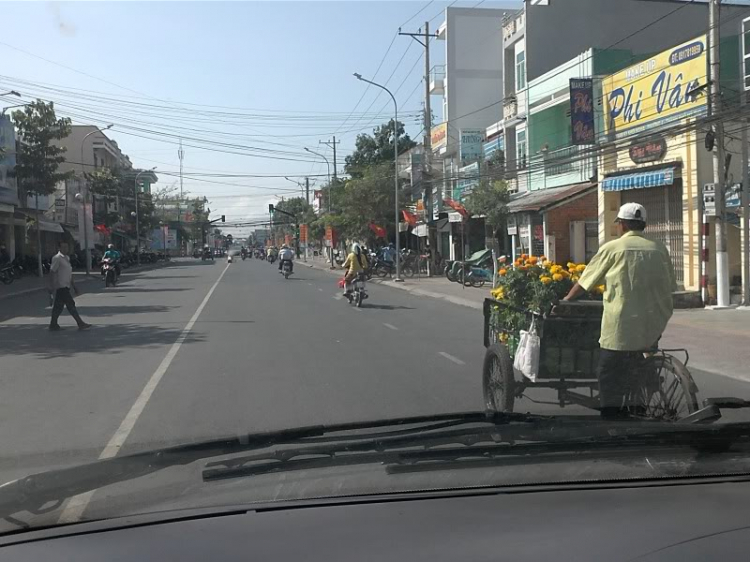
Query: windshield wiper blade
[[483, 444], [33, 493]]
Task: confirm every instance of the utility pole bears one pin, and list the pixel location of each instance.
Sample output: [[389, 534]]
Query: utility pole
[[333, 144], [722, 258], [307, 190], [423, 38], [181, 155]]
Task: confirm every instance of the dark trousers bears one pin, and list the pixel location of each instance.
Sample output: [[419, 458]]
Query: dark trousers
[[291, 264], [622, 376], [63, 298]]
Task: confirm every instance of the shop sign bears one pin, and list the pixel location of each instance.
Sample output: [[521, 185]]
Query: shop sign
[[512, 226], [454, 217], [648, 151], [468, 180], [439, 136], [59, 202], [582, 110], [471, 144], [523, 231], [658, 90]]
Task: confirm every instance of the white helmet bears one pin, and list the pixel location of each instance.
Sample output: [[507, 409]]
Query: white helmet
[[111, 246], [355, 248]]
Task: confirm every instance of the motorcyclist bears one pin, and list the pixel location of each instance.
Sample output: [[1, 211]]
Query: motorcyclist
[[243, 252], [286, 254], [207, 252], [114, 255], [355, 263]]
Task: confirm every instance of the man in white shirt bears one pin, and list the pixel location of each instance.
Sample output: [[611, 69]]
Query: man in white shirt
[[286, 254], [60, 285]]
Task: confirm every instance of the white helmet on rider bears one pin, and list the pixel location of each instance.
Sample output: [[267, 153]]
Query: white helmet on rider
[[110, 246], [356, 249]]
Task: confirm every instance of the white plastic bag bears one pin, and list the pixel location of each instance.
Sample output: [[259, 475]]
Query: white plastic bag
[[527, 354]]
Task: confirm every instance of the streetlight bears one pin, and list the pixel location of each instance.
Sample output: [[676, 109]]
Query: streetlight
[[329, 174], [137, 222], [11, 93], [83, 199], [395, 167], [298, 184]]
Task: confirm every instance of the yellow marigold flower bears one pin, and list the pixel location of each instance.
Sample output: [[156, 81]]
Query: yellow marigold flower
[[546, 279], [558, 277], [542, 258], [565, 274], [503, 337], [574, 278], [571, 265], [581, 268], [600, 289], [555, 269]]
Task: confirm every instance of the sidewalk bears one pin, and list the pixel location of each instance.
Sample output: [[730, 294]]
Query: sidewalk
[[31, 284]]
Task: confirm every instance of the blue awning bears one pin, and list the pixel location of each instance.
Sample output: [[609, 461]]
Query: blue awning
[[655, 178]]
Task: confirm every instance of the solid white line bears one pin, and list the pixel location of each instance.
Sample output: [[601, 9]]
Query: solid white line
[[77, 504], [390, 326], [450, 357]]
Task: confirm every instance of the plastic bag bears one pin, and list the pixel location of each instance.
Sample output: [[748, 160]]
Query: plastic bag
[[527, 354], [342, 282]]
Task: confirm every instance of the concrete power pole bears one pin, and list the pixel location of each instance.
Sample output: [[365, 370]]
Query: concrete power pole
[[722, 258], [181, 155], [423, 38], [333, 144], [307, 190]]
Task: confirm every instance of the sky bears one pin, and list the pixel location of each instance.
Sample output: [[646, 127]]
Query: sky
[[247, 85]]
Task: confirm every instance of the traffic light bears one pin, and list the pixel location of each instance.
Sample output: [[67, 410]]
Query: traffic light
[[270, 207], [223, 218]]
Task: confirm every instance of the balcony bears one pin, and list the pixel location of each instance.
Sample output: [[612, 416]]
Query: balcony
[[512, 25], [510, 108], [561, 167], [437, 80]]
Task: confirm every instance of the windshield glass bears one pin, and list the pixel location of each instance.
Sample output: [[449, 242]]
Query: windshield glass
[[449, 211]]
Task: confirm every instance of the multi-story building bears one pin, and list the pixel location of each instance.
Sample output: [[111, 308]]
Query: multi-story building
[[8, 190], [470, 82]]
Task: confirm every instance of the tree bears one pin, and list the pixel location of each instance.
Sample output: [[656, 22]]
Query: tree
[[38, 160], [490, 198], [371, 150], [368, 199], [107, 186]]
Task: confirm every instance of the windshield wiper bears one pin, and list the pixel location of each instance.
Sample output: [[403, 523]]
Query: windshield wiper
[[35, 493]]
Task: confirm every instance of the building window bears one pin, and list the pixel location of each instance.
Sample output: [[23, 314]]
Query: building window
[[520, 71], [521, 148]]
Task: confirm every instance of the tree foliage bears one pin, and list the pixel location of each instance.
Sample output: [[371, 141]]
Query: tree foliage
[[107, 186], [490, 198], [371, 150], [38, 160]]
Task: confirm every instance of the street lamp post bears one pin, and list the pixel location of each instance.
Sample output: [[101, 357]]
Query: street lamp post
[[330, 189], [11, 93], [395, 168], [84, 198], [137, 221], [298, 184]]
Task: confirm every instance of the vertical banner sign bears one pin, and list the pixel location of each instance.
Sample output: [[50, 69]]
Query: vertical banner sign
[[582, 110], [303, 233]]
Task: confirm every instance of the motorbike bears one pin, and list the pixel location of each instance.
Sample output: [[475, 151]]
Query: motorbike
[[207, 255], [6, 274], [358, 293], [478, 276], [109, 272], [229, 259], [271, 258], [286, 269], [244, 256]]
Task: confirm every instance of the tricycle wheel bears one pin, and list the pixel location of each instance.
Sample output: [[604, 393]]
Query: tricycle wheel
[[498, 380], [476, 281], [666, 391]]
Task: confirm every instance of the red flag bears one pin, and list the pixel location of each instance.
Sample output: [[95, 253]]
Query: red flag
[[411, 218], [456, 206], [378, 230]]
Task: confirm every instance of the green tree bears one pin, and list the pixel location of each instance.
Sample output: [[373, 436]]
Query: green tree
[[368, 199], [490, 198], [107, 186], [38, 160], [371, 150]]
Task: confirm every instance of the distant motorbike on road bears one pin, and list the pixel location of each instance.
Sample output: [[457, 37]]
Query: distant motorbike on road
[[109, 272], [286, 269], [358, 293], [271, 258]]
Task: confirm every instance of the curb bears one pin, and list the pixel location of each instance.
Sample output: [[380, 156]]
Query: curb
[[414, 290]]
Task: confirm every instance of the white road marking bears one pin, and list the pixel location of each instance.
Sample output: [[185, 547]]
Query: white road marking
[[390, 326], [450, 357], [319, 289], [76, 505]]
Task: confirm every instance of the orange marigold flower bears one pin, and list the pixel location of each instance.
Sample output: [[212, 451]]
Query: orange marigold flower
[[503, 271]]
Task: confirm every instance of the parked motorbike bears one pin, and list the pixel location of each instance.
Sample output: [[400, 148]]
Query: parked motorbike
[[6, 274], [109, 272], [478, 276]]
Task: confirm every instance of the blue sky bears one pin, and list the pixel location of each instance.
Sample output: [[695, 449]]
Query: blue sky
[[288, 65]]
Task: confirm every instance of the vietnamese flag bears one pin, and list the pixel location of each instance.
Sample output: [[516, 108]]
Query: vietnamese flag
[[456, 206], [409, 217], [378, 230]]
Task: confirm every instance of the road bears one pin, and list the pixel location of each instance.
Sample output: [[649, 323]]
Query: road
[[197, 350]]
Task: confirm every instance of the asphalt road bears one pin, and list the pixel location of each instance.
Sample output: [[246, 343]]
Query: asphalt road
[[197, 350]]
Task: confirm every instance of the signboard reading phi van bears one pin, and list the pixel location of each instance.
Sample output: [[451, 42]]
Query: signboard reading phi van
[[658, 91]]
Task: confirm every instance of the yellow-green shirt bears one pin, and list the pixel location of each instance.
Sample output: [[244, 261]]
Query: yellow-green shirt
[[639, 281], [354, 265]]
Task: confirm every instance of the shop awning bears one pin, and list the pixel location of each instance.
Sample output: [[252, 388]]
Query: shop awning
[[542, 199], [642, 180], [48, 226]]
